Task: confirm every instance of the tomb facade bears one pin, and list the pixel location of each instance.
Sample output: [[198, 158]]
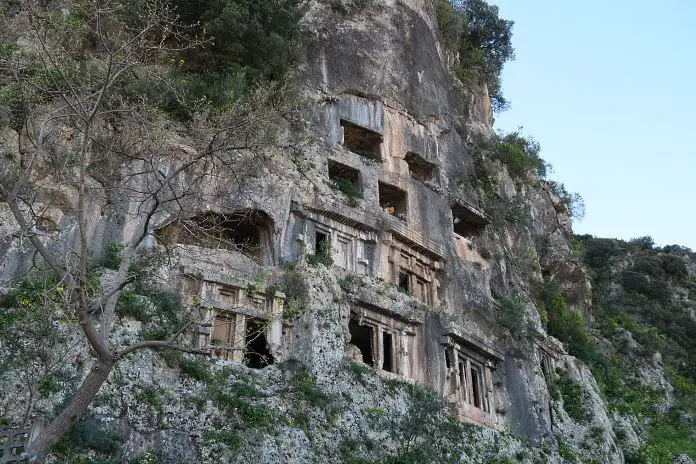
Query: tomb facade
[[240, 324]]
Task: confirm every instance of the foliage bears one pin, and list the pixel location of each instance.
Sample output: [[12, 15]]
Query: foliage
[[159, 308], [634, 282], [193, 367], [669, 433], [322, 255], [511, 314], [483, 40], [503, 211], [574, 398], [112, 255], [633, 285], [570, 202], [231, 439], [81, 98], [520, 155], [40, 309], [449, 21], [230, 393], [294, 285], [252, 43], [90, 434], [347, 187], [566, 452], [305, 384], [564, 323], [425, 432]]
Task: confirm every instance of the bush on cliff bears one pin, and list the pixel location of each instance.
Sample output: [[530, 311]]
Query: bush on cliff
[[483, 40]]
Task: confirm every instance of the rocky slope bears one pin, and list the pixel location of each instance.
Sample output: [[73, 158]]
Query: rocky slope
[[422, 297]]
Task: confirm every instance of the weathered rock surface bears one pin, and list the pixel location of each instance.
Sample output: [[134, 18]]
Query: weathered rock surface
[[383, 70]]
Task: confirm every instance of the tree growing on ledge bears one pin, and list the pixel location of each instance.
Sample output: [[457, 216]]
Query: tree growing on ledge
[[85, 132], [483, 40]]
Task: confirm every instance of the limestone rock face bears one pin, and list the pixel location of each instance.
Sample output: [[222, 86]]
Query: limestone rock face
[[352, 304]]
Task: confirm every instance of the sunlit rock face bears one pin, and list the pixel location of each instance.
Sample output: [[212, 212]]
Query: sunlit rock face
[[404, 274]]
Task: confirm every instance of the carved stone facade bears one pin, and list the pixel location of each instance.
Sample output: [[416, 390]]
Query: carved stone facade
[[382, 341], [400, 234], [469, 380]]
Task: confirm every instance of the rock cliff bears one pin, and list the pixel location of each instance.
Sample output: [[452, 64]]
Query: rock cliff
[[373, 284]]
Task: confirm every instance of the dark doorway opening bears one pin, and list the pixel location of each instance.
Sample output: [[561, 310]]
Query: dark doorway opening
[[341, 173], [247, 231], [388, 352], [256, 354], [466, 222], [476, 387], [362, 337], [404, 281], [321, 241]]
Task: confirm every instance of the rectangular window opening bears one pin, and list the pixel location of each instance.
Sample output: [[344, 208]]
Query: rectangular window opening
[[476, 387], [388, 352], [419, 168], [362, 337], [256, 352], [346, 180], [467, 223], [404, 280], [227, 295], [393, 200], [321, 241], [362, 141]]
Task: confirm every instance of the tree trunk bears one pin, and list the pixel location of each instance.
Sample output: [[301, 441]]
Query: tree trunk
[[54, 431]]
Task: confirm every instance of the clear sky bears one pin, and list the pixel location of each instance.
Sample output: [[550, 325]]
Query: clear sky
[[608, 88]]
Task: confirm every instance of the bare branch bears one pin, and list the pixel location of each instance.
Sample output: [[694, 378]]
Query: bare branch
[[159, 344]]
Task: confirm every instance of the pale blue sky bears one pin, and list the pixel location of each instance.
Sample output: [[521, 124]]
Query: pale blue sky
[[608, 88]]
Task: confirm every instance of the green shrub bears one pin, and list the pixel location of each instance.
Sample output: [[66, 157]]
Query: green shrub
[[674, 266], [112, 255], [564, 323], [195, 368], [47, 386], [566, 452], [305, 384], [520, 155], [484, 42], [574, 398], [259, 41], [511, 315], [321, 255], [572, 202], [346, 187], [90, 433], [296, 292], [231, 439], [449, 22], [256, 415]]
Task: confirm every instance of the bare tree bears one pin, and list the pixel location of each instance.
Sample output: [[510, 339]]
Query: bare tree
[[89, 143]]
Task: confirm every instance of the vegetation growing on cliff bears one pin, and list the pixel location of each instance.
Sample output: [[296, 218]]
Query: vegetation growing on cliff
[[519, 156], [90, 91], [483, 40], [644, 292]]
